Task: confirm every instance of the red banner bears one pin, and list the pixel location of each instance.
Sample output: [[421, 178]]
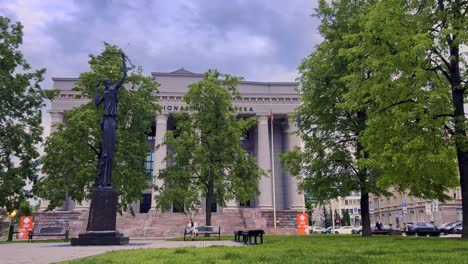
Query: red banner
[[302, 224], [26, 226]]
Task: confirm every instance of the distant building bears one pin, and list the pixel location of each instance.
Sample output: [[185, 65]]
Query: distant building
[[399, 208], [350, 204]]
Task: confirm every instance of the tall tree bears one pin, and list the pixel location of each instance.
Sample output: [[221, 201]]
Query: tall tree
[[21, 100], [205, 149], [416, 82], [332, 154], [72, 152]]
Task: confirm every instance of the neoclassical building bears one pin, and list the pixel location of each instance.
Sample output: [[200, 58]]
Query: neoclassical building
[[258, 100]]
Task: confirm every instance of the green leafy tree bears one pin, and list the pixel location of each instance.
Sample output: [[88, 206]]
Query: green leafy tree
[[21, 100], [331, 156], [205, 149], [72, 152], [411, 54]]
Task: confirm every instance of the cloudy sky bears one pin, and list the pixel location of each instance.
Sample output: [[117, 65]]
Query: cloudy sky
[[262, 40]]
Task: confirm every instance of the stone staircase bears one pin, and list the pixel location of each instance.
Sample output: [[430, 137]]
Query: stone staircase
[[286, 221], [172, 224]]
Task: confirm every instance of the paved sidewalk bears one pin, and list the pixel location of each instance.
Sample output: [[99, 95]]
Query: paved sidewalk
[[42, 253]]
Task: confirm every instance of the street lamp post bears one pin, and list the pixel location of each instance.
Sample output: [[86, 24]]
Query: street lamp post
[[12, 225]]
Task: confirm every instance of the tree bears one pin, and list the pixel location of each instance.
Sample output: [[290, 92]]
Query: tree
[[206, 154], [417, 75], [72, 152], [21, 100], [332, 153]]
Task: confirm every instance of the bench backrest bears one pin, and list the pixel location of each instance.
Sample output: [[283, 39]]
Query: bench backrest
[[214, 229], [50, 230], [208, 229]]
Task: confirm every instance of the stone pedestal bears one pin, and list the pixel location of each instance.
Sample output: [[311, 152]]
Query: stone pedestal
[[102, 221]]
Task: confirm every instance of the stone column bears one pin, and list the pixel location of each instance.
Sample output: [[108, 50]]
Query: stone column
[[294, 198], [160, 153], [265, 200], [231, 204], [56, 118]]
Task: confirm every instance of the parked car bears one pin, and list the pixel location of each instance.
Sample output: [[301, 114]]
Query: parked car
[[316, 230], [458, 229], [385, 230], [422, 229], [344, 230], [357, 230], [329, 230], [449, 228]]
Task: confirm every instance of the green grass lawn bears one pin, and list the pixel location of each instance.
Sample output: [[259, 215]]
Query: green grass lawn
[[306, 249]]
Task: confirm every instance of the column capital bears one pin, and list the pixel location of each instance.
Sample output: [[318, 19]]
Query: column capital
[[161, 118]]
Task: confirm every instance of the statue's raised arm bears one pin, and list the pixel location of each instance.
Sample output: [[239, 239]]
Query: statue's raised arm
[[124, 73]]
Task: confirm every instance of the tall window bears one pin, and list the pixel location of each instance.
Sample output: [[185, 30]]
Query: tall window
[[145, 203], [149, 165]]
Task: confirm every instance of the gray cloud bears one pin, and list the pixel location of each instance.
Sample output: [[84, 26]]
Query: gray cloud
[[257, 39], [260, 40]]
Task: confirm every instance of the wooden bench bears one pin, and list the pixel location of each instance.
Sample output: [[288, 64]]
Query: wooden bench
[[247, 235], [48, 231], [237, 235], [215, 230]]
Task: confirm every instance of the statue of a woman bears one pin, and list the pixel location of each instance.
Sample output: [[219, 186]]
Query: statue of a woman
[[110, 98]]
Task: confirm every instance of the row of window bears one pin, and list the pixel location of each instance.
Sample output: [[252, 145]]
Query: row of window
[[352, 202]]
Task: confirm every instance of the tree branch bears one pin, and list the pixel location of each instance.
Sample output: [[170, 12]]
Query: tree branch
[[450, 131], [439, 68], [98, 153], [442, 115], [399, 103], [436, 52]]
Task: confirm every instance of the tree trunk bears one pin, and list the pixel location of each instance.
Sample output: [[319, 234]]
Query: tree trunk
[[365, 217], [208, 202], [459, 113], [363, 180], [462, 155]]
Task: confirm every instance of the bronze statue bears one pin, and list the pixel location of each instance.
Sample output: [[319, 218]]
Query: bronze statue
[[110, 97]]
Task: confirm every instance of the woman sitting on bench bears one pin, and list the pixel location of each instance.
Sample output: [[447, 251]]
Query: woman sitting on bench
[[192, 227]]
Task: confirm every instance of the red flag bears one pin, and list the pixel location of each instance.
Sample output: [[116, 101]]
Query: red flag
[[271, 116]]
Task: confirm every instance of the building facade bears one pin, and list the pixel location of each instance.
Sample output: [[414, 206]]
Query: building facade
[[259, 99], [350, 204], [400, 208]]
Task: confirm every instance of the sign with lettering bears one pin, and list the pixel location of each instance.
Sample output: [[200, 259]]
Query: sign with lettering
[[26, 226], [302, 224], [185, 108]]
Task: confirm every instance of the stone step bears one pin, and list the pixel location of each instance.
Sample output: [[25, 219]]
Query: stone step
[[172, 224]]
